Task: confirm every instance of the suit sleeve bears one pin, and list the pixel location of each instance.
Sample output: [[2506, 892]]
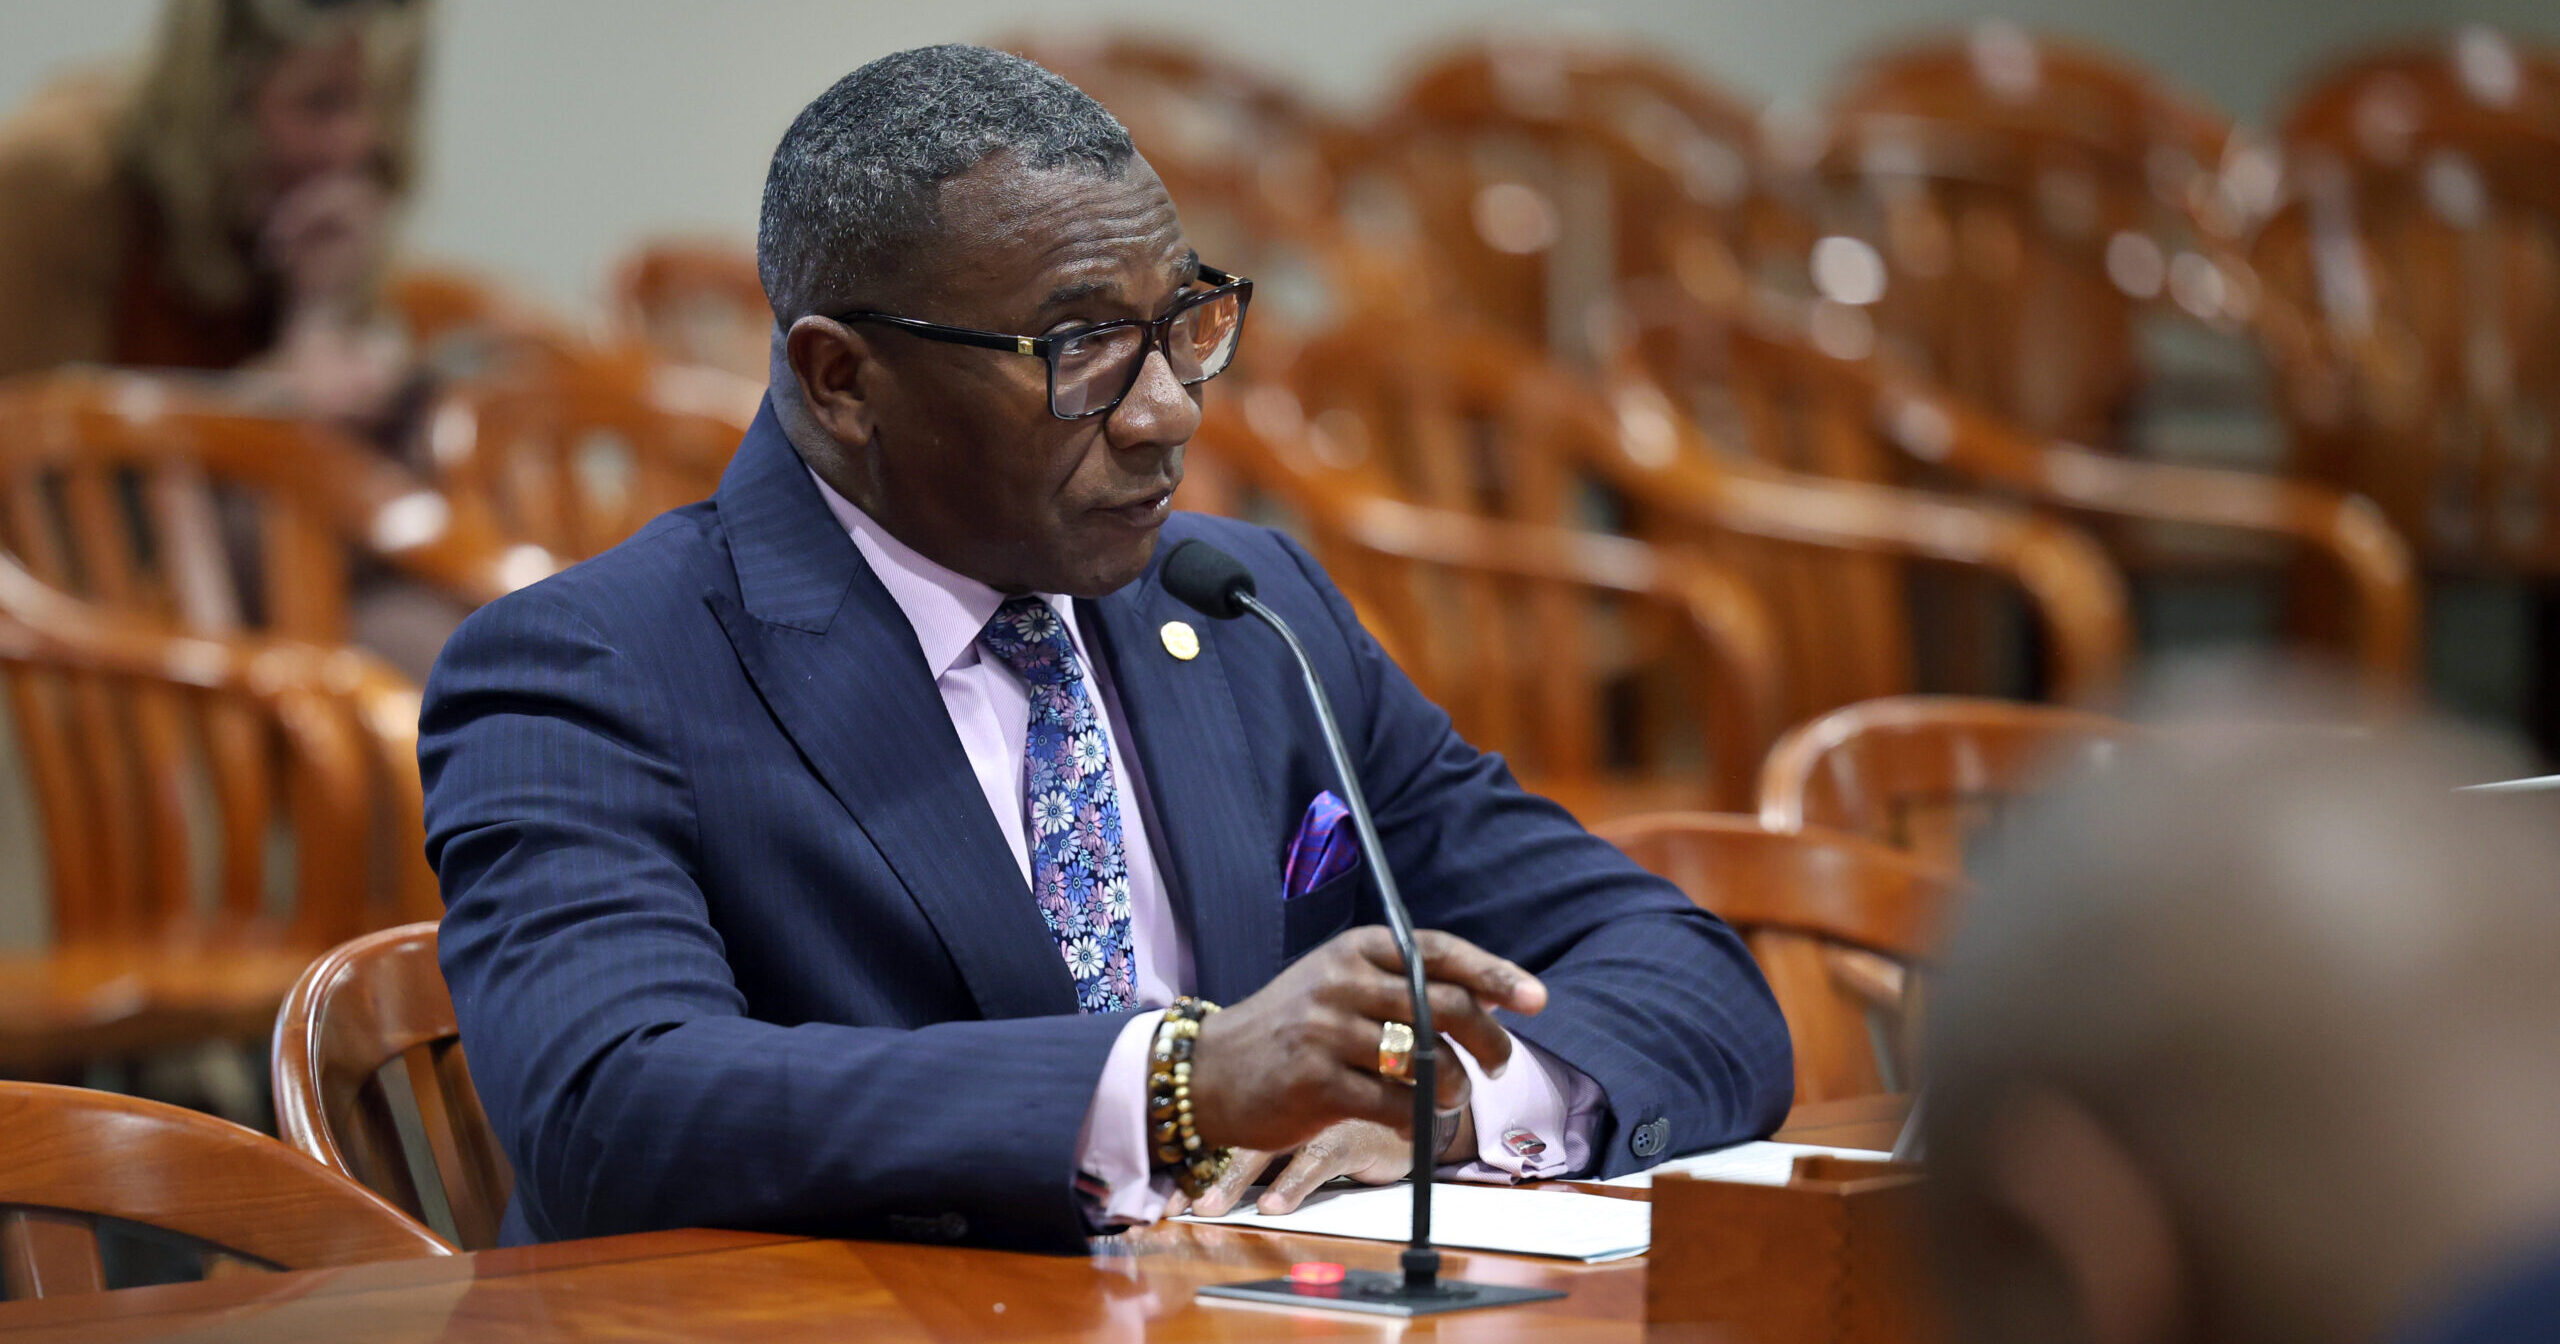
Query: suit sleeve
[[1651, 997], [607, 1037]]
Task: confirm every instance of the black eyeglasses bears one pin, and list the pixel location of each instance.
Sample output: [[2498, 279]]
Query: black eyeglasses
[[1091, 369]]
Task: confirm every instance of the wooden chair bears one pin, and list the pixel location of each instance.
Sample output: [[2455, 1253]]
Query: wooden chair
[[1869, 417], [1537, 169], [575, 452], [2038, 202], [696, 301], [155, 496], [1836, 923], [1921, 772], [1262, 175], [213, 810], [231, 1199], [463, 324], [1475, 422], [368, 1032], [1684, 250], [2412, 310], [1616, 676]]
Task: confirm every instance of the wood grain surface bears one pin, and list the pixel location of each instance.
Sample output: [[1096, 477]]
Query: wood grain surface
[[701, 1284]]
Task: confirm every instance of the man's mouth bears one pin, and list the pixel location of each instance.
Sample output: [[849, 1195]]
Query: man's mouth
[[1147, 510]]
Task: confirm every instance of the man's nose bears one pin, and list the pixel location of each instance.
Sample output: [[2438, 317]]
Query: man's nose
[[1158, 412]]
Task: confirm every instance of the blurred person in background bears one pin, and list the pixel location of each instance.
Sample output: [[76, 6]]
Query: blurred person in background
[[227, 206], [2254, 1040], [224, 205]]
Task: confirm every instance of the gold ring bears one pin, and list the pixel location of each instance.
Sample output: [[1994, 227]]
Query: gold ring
[[1395, 1051]]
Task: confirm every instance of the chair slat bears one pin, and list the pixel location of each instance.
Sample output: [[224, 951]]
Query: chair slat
[[48, 1253], [373, 1008], [478, 1185], [473, 1222]]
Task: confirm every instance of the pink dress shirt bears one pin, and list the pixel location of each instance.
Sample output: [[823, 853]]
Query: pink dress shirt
[[1530, 1122]]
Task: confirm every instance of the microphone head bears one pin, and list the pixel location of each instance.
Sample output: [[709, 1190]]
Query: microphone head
[[1208, 580]]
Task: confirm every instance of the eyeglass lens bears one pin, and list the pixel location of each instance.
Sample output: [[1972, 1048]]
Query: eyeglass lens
[[1098, 368]]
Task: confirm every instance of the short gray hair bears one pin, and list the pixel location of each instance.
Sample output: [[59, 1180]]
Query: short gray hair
[[854, 183]]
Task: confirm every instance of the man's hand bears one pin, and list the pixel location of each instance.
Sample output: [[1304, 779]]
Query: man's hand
[[1270, 1073], [1369, 1153]]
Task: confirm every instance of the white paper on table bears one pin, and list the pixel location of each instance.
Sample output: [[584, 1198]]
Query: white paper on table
[[1589, 1228], [1763, 1163]]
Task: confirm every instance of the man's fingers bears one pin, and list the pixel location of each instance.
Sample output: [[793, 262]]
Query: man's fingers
[[1362, 1095], [1455, 1014], [1450, 959], [1319, 1160], [1460, 1017], [1453, 960], [1242, 1171]]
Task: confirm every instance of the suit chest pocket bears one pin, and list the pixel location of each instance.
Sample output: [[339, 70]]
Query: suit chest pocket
[[1321, 913]]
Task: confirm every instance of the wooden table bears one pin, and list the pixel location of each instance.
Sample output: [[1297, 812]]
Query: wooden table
[[699, 1284]]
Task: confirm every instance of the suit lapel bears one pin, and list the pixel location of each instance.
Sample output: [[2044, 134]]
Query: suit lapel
[[1207, 797], [837, 663]]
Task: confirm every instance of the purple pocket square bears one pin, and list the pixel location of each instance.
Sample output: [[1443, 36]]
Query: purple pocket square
[[1325, 847]]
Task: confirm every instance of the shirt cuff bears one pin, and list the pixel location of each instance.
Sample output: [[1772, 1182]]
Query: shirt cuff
[[1114, 1178], [1534, 1123]]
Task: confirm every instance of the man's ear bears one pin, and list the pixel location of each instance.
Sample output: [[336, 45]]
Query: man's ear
[[2068, 1184], [838, 377]]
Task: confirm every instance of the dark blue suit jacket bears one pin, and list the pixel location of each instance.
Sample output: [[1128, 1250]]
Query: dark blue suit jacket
[[735, 941]]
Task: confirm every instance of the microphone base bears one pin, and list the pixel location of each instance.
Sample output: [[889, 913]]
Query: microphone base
[[1375, 1293]]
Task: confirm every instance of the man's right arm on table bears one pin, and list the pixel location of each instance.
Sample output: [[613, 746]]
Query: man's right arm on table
[[607, 1036]]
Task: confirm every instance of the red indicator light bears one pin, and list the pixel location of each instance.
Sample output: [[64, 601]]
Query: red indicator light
[[1317, 1272]]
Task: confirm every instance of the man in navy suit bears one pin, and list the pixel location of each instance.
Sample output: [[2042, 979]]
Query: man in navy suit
[[824, 857]]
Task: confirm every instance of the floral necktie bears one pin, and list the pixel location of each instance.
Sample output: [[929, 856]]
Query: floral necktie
[[1079, 870]]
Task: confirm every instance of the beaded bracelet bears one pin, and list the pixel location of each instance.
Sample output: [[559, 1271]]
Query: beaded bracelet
[[1177, 1144]]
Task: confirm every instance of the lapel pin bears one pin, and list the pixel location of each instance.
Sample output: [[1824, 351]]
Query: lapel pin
[[1180, 640]]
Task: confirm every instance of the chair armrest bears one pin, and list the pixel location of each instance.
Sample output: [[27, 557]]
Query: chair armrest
[[2067, 578], [2347, 531]]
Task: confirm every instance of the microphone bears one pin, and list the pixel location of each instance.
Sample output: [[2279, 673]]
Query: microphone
[[1218, 586]]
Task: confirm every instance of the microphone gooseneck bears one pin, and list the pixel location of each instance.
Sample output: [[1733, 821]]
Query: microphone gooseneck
[[1218, 586]]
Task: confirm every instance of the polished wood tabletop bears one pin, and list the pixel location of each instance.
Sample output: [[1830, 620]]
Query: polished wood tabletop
[[700, 1284]]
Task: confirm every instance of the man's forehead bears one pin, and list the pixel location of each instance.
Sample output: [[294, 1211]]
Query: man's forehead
[[1066, 233]]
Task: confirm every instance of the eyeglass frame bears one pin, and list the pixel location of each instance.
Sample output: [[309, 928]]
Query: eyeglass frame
[[1159, 333]]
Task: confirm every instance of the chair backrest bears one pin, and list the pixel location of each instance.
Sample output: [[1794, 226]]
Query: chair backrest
[[366, 1040], [460, 323], [167, 766], [1256, 168], [575, 452], [1472, 421], [1680, 245], [1922, 773], [154, 496], [696, 301], [1537, 168], [228, 1198], [2035, 202], [2413, 281], [1838, 924], [1614, 674]]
